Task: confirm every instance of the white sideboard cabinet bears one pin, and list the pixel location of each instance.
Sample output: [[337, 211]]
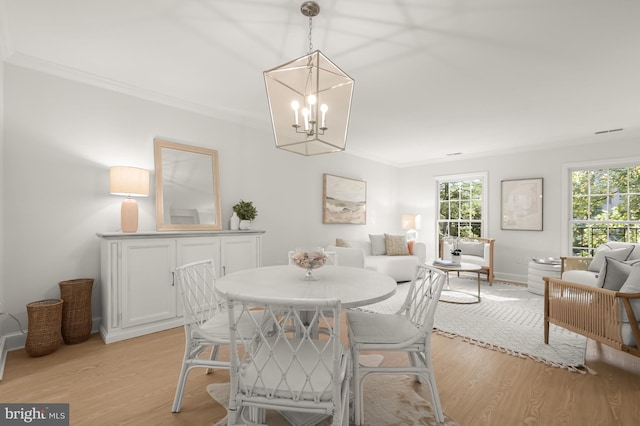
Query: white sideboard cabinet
[[138, 286]]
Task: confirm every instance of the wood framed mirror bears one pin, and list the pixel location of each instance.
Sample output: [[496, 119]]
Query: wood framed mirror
[[187, 187]]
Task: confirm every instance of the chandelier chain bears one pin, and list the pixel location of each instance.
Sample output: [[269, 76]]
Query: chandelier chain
[[310, 28]]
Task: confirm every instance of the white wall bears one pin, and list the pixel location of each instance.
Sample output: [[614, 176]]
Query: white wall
[[513, 249], [61, 137]]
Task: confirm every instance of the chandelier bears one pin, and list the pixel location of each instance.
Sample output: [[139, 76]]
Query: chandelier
[[310, 100]]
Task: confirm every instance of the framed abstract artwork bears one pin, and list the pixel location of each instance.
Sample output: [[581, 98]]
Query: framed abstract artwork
[[521, 205], [344, 200]]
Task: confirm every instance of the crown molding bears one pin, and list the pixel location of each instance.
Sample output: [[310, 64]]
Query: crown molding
[[69, 73]]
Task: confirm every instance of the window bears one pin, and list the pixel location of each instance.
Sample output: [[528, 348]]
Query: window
[[605, 206], [461, 206]]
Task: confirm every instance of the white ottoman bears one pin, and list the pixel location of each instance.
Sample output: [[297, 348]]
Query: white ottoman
[[537, 271]]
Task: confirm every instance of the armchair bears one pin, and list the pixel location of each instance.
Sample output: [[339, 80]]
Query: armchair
[[603, 315], [478, 251]]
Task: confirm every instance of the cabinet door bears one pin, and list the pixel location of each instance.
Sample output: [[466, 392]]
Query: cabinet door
[[195, 249], [239, 253], [147, 283]]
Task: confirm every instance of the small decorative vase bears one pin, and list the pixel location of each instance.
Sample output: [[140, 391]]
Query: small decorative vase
[[245, 224], [455, 258], [234, 222]]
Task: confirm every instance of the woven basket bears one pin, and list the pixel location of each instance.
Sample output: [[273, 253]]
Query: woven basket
[[45, 317], [76, 310]]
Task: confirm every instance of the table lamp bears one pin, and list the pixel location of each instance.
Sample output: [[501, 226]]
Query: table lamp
[[132, 182], [411, 223]]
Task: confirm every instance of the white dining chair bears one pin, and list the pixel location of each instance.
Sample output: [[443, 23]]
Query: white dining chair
[[409, 330], [206, 324], [296, 374]]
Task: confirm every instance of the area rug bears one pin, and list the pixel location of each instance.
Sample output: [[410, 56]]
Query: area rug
[[388, 400], [508, 319]]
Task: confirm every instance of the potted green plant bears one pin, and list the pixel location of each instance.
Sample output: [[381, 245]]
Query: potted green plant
[[246, 211]]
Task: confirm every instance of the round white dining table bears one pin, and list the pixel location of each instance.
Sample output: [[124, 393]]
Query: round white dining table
[[352, 286]]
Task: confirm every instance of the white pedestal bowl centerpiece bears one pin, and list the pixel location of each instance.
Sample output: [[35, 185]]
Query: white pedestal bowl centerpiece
[[309, 260]]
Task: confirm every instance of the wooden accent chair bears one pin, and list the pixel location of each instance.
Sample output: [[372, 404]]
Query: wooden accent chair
[[485, 261], [600, 314]]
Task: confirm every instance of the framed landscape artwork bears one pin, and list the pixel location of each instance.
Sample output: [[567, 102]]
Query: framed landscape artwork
[[344, 200], [522, 205]]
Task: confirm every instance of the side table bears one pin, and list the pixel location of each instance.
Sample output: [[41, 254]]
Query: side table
[[538, 270]]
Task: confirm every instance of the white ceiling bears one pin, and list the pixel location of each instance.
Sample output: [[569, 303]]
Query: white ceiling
[[432, 77]]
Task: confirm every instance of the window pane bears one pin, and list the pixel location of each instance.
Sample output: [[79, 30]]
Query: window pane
[[444, 191], [581, 208], [634, 180], [476, 214], [580, 235], [465, 210], [465, 191], [618, 182], [598, 208], [444, 210], [580, 182], [619, 207], [634, 207], [618, 233], [476, 190], [599, 182], [454, 191], [599, 235], [455, 210]]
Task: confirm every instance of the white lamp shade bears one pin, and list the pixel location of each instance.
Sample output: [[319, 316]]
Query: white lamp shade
[[311, 75], [411, 221], [129, 181]]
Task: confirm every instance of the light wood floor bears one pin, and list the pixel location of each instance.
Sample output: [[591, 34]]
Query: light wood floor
[[133, 382]]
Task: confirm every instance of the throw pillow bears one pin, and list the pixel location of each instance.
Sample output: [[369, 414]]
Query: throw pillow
[[396, 245], [613, 274], [410, 246], [378, 247], [342, 243], [472, 248], [632, 285], [602, 252]]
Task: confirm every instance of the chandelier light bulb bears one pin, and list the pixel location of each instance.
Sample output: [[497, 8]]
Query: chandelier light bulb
[[305, 114], [323, 109], [295, 105], [311, 100]]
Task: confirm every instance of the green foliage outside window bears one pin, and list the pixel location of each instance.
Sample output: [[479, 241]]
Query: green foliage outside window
[[605, 207]]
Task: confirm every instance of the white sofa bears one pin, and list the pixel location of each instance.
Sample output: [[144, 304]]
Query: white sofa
[[400, 268]]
